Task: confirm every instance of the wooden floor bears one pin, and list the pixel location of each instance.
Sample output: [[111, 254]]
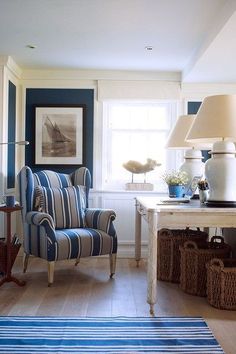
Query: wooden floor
[[86, 290]]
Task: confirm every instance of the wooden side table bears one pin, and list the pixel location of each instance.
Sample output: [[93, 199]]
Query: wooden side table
[[159, 215], [8, 277]]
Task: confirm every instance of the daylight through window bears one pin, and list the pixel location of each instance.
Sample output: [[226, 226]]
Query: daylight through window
[[135, 131]]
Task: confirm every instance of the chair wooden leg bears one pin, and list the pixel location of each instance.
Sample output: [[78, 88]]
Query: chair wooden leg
[[77, 261], [25, 261], [112, 258], [51, 266]]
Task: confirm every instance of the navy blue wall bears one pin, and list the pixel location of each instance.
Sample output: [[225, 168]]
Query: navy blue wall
[[193, 107], [44, 97], [11, 135]]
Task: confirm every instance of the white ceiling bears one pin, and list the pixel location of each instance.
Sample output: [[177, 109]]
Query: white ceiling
[[195, 37]]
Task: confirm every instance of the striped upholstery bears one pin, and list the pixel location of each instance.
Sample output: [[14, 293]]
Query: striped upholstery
[[42, 236], [101, 219], [65, 205], [83, 242], [52, 179]]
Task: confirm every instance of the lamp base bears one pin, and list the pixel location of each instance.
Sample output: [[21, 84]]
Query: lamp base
[[194, 167], [220, 204], [220, 172]]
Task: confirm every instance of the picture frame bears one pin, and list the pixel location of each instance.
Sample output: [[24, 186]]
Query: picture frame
[[193, 186], [59, 138]]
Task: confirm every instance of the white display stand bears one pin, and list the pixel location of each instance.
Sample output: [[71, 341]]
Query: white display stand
[[139, 186]]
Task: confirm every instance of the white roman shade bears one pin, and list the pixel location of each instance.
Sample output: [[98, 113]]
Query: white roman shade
[[138, 90]]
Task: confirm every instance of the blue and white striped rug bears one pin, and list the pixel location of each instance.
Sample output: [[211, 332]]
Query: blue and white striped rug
[[106, 335]]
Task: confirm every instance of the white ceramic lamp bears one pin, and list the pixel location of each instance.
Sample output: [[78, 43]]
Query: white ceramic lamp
[[216, 122], [193, 164]]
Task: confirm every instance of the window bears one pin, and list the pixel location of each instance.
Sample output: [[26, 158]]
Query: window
[[135, 131]]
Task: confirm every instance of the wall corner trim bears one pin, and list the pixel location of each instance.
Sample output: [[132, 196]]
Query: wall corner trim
[[11, 65]]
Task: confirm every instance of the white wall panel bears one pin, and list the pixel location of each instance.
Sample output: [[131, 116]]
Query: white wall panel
[[151, 90], [124, 206]]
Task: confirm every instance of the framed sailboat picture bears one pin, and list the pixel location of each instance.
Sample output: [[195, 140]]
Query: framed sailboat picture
[[59, 135]]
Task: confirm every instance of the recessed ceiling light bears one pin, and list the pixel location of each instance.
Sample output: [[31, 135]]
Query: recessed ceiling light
[[31, 46], [149, 47]]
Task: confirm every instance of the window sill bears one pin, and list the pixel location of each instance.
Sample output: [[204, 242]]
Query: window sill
[[123, 191]]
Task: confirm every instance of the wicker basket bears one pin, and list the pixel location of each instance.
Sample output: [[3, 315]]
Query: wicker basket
[[3, 255], [193, 261], [221, 283], [168, 254]]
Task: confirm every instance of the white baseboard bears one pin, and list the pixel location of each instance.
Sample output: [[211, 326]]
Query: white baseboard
[[127, 250]]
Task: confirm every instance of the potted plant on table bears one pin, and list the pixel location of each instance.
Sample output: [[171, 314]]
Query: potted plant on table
[[176, 181]]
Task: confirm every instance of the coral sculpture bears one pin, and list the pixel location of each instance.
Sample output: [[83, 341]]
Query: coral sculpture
[[137, 167]]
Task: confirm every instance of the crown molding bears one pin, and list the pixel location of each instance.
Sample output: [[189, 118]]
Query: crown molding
[[31, 74], [10, 64], [201, 90], [3, 60]]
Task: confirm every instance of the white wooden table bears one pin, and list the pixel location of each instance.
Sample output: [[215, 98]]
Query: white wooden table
[[172, 216]]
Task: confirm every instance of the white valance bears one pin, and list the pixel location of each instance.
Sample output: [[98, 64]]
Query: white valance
[[137, 90]]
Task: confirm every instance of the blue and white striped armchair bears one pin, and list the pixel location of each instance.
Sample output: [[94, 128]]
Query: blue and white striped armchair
[[57, 222]]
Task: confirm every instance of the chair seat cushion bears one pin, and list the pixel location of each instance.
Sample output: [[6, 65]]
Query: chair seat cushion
[[83, 242], [65, 205]]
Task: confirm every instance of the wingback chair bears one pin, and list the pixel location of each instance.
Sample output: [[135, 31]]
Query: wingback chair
[[57, 222]]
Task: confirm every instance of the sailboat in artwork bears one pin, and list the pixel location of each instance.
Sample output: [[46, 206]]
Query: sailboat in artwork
[[55, 133]]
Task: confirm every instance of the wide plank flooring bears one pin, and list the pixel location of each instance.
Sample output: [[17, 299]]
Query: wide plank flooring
[[86, 290]]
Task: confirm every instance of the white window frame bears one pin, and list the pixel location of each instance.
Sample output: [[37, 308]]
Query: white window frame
[[173, 157]]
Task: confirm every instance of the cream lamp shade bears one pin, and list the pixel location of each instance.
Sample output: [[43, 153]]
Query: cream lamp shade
[[176, 139], [216, 122], [193, 164]]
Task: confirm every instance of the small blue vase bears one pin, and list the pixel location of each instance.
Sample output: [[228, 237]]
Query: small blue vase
[[176, 191]]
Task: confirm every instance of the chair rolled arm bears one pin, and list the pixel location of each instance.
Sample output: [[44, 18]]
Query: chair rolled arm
[[45, 225], [40, 219], [100, 219]]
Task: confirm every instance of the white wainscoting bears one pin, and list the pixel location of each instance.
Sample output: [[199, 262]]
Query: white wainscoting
[[123, 203]]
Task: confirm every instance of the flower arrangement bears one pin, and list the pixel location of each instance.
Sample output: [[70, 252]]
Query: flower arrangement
[[176, 178], [203, 185]]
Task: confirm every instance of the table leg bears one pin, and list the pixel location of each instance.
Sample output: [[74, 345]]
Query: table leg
[[137, 236], [8, 277], [152, 261], [207, 230]]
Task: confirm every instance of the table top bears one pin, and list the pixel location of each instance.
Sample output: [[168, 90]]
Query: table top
[[154, 204], [6, 209]]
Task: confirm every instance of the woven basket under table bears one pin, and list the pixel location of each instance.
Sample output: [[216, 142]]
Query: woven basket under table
[[3, 255], [193, 261], [168, 253], [221, 283]]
